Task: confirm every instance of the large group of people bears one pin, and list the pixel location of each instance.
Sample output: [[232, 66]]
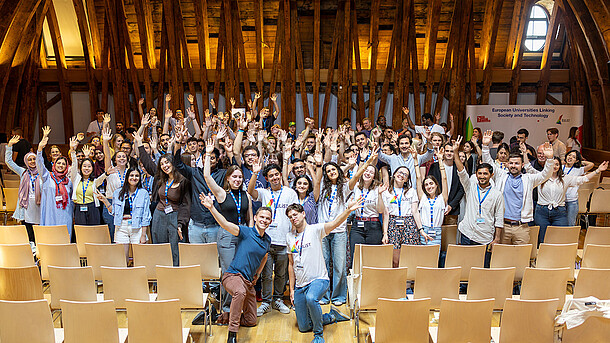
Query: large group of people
[[288, 208]]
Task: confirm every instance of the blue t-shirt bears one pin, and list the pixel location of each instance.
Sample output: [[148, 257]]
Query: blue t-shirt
[[251, 249]]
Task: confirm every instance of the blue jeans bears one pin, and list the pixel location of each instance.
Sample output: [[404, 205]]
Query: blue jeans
[[334, 248], [572, 210], [544, 217], [307, 307], [434, 233], [199, 233], [109, 220]]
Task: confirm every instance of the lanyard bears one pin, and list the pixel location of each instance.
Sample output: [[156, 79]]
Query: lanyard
[[568, 173], [197, 160], [99, 126], [57, 183], [398, 201], [33, 181], [275, 203], [166, 189], [332, 199], [147, 183], [368, 156], [301, 247], [131, 199], [366, 195], [481, 200], [351, 173], [303, 201], [84, 189], [122, 177], [431, 203], [238, 204]]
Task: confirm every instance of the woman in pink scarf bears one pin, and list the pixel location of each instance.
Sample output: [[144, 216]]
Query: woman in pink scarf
[[28, 203]]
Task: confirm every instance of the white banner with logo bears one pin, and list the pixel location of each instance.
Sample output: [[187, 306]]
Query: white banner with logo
[[535, 118]]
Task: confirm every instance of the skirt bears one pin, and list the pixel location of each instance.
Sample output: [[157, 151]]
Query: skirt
[[407, 234]]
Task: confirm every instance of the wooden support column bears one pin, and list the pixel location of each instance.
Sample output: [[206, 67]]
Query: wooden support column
[[457, 88], [356, 43], [488, 45], [186, 60], [276, 53], [299, 54], [220, 51], [239, 39], [472, 66], [446, 71], [119, 85], [96, 41], [147, 44], [203, 40], [333, 57], [414, 65], [515, 27], [105, 55], [229, 54], [89, 56], [161, 65], [403, 57], [547, 56], [373, 51], [515, 79], [390, 63], [434, 13], [64, 87], [344, 67], [173, 57], [288, 70], [260, 61], [316, 61], [30, 90]]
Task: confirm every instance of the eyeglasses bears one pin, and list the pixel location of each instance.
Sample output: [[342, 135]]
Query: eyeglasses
[[250, 155]]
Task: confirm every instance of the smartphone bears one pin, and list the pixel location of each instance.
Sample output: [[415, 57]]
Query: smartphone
[[238, 112]]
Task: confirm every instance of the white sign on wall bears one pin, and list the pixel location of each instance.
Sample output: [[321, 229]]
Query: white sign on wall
[[535, 118]]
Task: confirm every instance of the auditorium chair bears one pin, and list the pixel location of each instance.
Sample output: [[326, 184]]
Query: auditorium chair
[[529, 321], [463, 321], [391, 326], [488, 283], [155, 322]]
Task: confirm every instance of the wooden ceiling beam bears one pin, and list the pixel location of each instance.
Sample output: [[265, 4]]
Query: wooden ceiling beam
[[373, 52], [288, 69], [220, 51], [186, 60], [260, 58], [472, 66], [414, 66], [96, 41], [434, 13], [338, 33], [390, 62], [173, 57], [403, 55], [89, 56], [239, 38], [147, 46], [360, 113], [457, 88], [547, 55], [203, 44], [105, 55], [161, 68], [343, 64], [296, 33], [316, 61], [117, 53], [446, 70], [518, 51], [230, 55], [133, 74], [276, 54], [488, 45], [515, 28]]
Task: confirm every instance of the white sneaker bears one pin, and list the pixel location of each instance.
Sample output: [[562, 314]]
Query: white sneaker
[[264, 308], [279, 305]]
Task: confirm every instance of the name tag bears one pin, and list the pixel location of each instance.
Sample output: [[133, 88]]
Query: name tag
[[360, 223], [58, 198], [272, 226], [431, 233], [129, 222], [168, 209], [480, 221], [84, 208], [399, 222], [32, 195]]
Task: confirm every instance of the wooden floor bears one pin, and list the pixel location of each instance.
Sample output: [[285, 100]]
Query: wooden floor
[[276, 327]]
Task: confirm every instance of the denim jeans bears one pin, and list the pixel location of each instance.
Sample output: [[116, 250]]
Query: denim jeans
[[434, 233], [274, 274], [334, 248], [109, 220], [544, 217], [307, 307], [227, 243], [199, 233], [572, 211]]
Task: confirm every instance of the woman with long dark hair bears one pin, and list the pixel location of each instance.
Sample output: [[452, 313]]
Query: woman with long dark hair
[[402, 210], [86, 205], [575, 166], [432, 203], [131, 211], [551, 206], [572, 143]]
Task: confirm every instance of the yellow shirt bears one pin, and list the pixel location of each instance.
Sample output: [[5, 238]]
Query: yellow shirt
[[89, 187]]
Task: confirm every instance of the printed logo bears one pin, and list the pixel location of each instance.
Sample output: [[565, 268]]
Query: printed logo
[[559, 120], [483, 119]]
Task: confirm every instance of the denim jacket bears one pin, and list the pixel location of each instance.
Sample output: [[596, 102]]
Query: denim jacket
[[140, 212]]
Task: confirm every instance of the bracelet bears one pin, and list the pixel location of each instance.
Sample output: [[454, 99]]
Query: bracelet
[[240, 130], [319, 165]]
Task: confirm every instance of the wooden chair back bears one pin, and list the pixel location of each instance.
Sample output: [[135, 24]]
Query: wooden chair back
[[11, 195], [205, 255], [448, 236], [597, 235], [13, 234], [378, 283], [465, 256], [539, 284], [593, 282], [26, 321], [105, 255], [58, 255], [436, 284], [150, 256], [125, 283], [72, 283], [57, 234], [529, 321], [391, 327], [465, 320], [557, 256], [90, 234], [534, 232], [596, 256], [154, 321], [16, 255], [600, 201], [20, 284], [377, 256], [182, 283], [491, 283], [413, 256], [505, 255], [593, 330], [562, 234], [89, 322]]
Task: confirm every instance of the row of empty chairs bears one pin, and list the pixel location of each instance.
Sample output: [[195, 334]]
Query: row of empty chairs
[[148, 322], [8, 199]]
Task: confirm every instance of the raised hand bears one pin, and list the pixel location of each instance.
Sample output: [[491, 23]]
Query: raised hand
[[46, 130], [283, 135], [190, 113], [242, 123], [382, 188], [437, 116], [14, 140], [318, 157], [153, 121], [209, 145], [273, 97], [73, 143], [376, 133], [107, 118], [106, 134], [486, 140], [249, 102], [153, 143], [43, 143], [212, 103], [309, 121], [352, 160], [191, 98], [353, 205], [257, 95], [168, 98], [547, 149], [206, 200], [287, 151], [522, 147], [232, 100], [440, 152], [405, 110], [80, 136], [168, 114], [221, 133], [137, 138], [456, 145], [358, 126], [141, 101], [228, 144], [250, 137], [145, 120], [450, 116], [603, 166], [261, 135], [257, 165], [87, 151]]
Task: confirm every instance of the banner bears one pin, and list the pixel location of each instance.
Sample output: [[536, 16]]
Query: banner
[[535, 118]]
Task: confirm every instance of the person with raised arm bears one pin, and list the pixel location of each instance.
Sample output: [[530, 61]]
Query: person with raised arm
[[484, 213], [456, 191], [55, 203], [277, 197], [575, 166], [116, 180], [30, 186], [86, 205], [245, 269], [307, 271]]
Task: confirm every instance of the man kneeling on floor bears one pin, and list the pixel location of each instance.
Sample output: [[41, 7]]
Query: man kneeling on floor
[[250, 258], [307, 270]]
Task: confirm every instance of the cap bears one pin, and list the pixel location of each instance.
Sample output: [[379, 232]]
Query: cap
[[291, 124]]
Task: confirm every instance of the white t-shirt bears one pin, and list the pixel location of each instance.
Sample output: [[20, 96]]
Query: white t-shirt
[[434, 128], [95, 127], [278, 201], [395, 196], [572, 192], [574, 144], [438, 211], [306, 250], [370, 203], [336, 206], [449, 173]]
